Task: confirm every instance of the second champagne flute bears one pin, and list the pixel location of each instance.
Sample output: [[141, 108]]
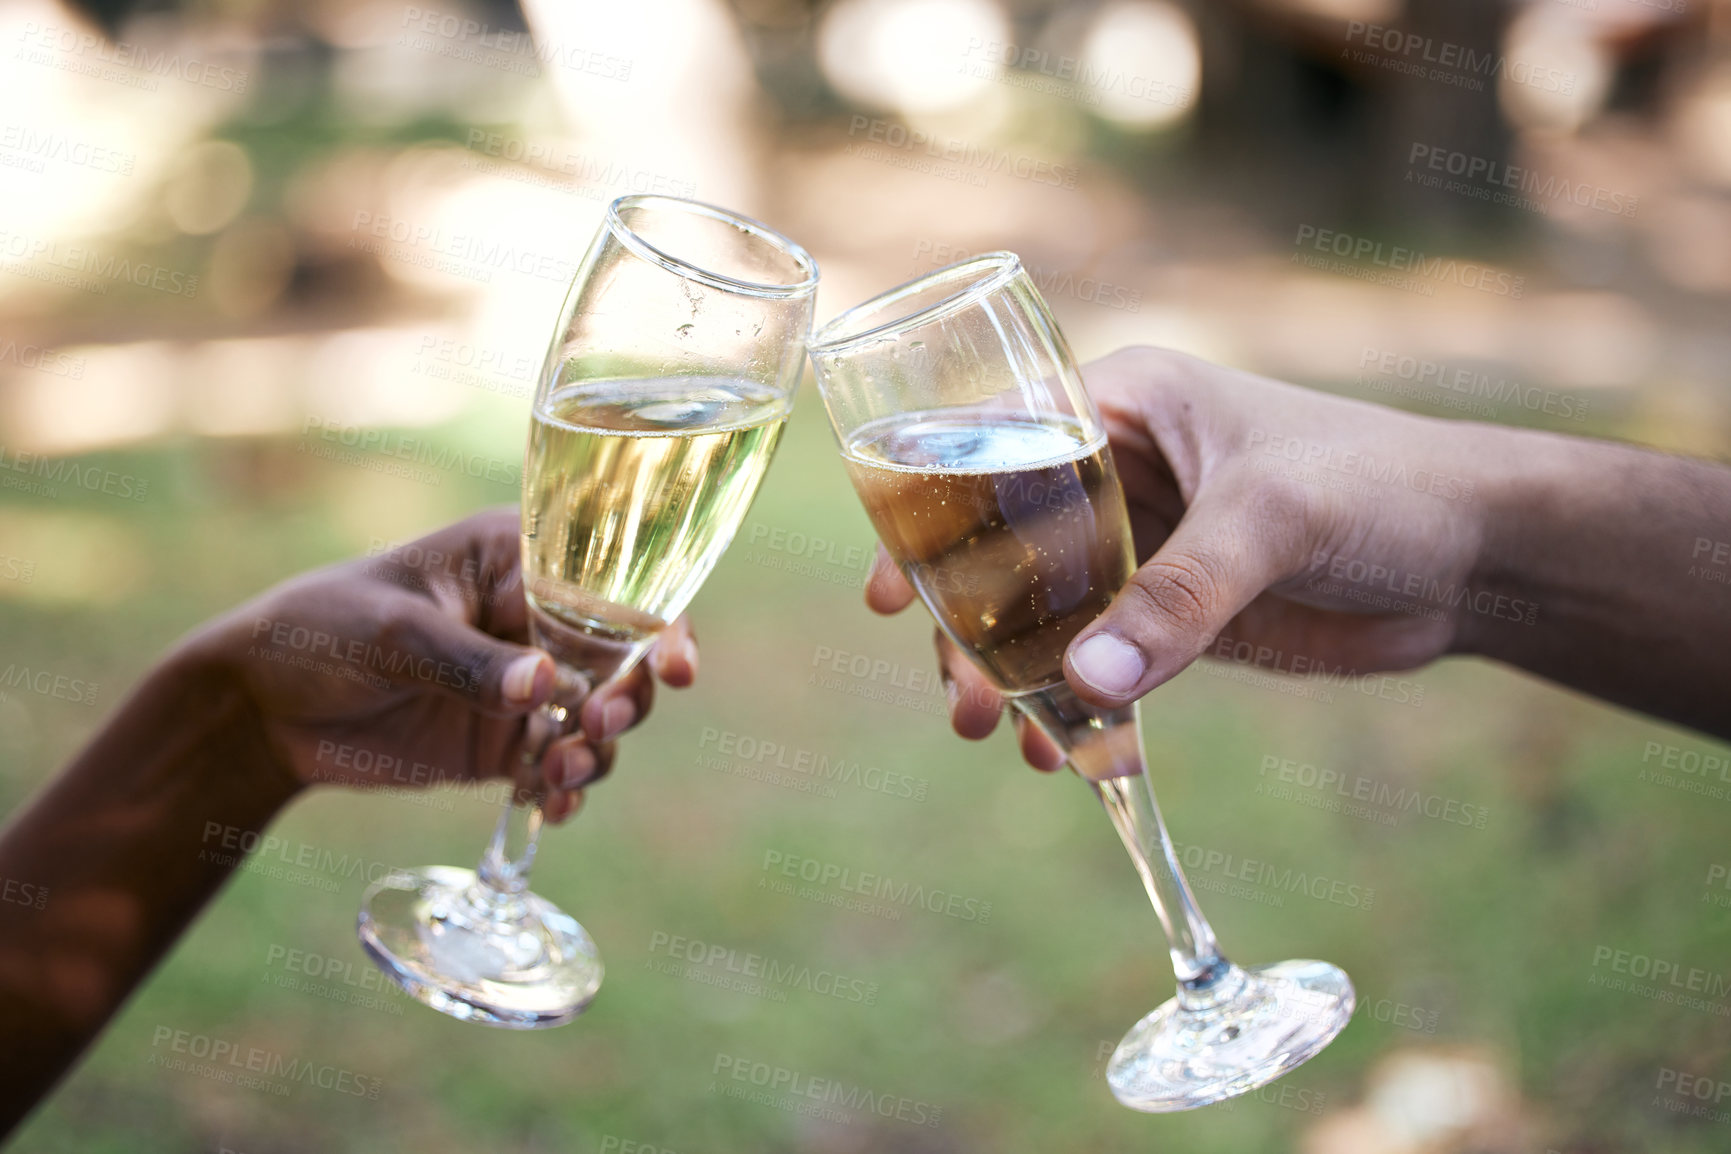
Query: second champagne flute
[[983, 465], [663, 395]]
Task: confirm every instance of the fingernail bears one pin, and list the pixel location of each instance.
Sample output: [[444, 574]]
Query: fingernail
[[1108, 664], [576, 765], [618, 714], [568, 684], [519, 683]]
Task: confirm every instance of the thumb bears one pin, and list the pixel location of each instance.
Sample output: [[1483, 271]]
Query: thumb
[[431, 648], [1220, 557]]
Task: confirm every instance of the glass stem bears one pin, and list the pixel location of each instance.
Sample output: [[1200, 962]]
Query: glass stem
[[504, 870], [511, 854], [1204, 975], [1105, 749]]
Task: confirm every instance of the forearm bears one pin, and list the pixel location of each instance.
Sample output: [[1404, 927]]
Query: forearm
[[1619, 550], [118, 846]]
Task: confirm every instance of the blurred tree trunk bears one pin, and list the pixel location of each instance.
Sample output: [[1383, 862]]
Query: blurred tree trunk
[[1417, 110], [1306, 131]]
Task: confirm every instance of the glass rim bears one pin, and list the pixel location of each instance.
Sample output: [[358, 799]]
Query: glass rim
[[680, 266], [999, 268]]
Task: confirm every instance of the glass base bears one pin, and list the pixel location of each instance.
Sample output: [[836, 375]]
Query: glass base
[[470, 951], [1247, 1029]]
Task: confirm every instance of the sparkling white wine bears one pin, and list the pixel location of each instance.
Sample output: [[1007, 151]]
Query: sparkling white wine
[[633, 489], [1015, 534]]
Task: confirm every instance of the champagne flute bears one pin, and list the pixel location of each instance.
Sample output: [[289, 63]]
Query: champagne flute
[[983, 465], [661, 400]]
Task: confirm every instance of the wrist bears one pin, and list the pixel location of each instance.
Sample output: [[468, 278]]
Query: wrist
[[201, 700], [1523, 488]]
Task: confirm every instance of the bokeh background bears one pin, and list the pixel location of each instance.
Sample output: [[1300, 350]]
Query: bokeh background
[[250, 250]]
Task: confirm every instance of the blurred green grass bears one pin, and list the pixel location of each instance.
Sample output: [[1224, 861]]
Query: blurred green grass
[[1000, 1022]]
